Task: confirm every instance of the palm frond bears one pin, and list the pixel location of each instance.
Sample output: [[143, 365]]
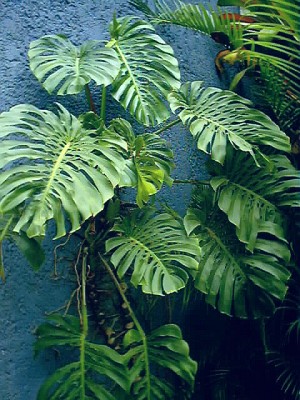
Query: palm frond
[[273, 92], [62, 67], [217, 117], [287, 370], [233, 280], [77, 379], [158, 250], [163, 349], [253, 197], [192, 16], [148, 72], [63, 169]]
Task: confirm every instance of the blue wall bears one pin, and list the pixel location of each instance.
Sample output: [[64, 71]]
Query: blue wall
[[26, 296]]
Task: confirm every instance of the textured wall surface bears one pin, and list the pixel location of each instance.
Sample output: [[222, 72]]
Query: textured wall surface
[[26, 296]]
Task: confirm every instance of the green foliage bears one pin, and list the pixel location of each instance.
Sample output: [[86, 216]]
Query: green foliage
[[79, 379], [265, 38], [149, 161], [62, 67], [192, 16], [148, 70], [235, 281], [30, 247], [165, 350], [64, 169], [253, 197], [158, 250], [217, 117], [233, 242]]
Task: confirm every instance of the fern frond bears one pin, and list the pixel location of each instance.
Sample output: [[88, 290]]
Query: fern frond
[[192, 16]]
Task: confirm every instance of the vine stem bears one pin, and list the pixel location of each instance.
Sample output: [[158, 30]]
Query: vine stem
[[90, 98], [103, 103], [191, 181], [135, 320], [168, 126], [84, 330]]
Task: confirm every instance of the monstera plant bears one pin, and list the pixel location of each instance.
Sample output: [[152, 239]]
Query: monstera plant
[[232, 245]]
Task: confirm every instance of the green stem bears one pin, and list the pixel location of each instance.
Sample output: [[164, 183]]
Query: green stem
[[262, 328], [103, 104], [84, 330], [167, 126], [90, 98], [136, 323], [191, 181]]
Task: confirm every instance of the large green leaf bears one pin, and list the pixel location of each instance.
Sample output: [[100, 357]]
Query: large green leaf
[[158, 250], [80, 379], [164, 349], [62, 67], [59, 169], [253, 197], [217, 117], [149, 70], [235, 281], [149, 161]]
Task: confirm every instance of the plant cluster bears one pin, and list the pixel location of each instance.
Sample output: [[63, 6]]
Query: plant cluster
[[233, 245]]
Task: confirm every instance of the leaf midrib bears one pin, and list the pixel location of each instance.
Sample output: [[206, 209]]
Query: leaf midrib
[[216, 238], [255, 194], [119, 50], [54, 171], [151, 252]]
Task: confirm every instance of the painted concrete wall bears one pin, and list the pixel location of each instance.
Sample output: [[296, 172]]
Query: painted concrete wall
[[26, 296]]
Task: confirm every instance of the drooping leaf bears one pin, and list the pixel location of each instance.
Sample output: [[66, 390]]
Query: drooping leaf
[[156, 249], [163, 349], [218, 117], [64, 68], [148, 72], [63, 169], [253, 197], [149, 161], [235, 281], [79, 379], [31, 248]]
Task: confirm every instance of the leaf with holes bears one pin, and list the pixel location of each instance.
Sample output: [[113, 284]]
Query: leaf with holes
[[156, 249], [162, 349], [64, 68], [148, 72], [218, 117], [59, 169], [253, 197], [77, 380], [149, 161], [235, 281]]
